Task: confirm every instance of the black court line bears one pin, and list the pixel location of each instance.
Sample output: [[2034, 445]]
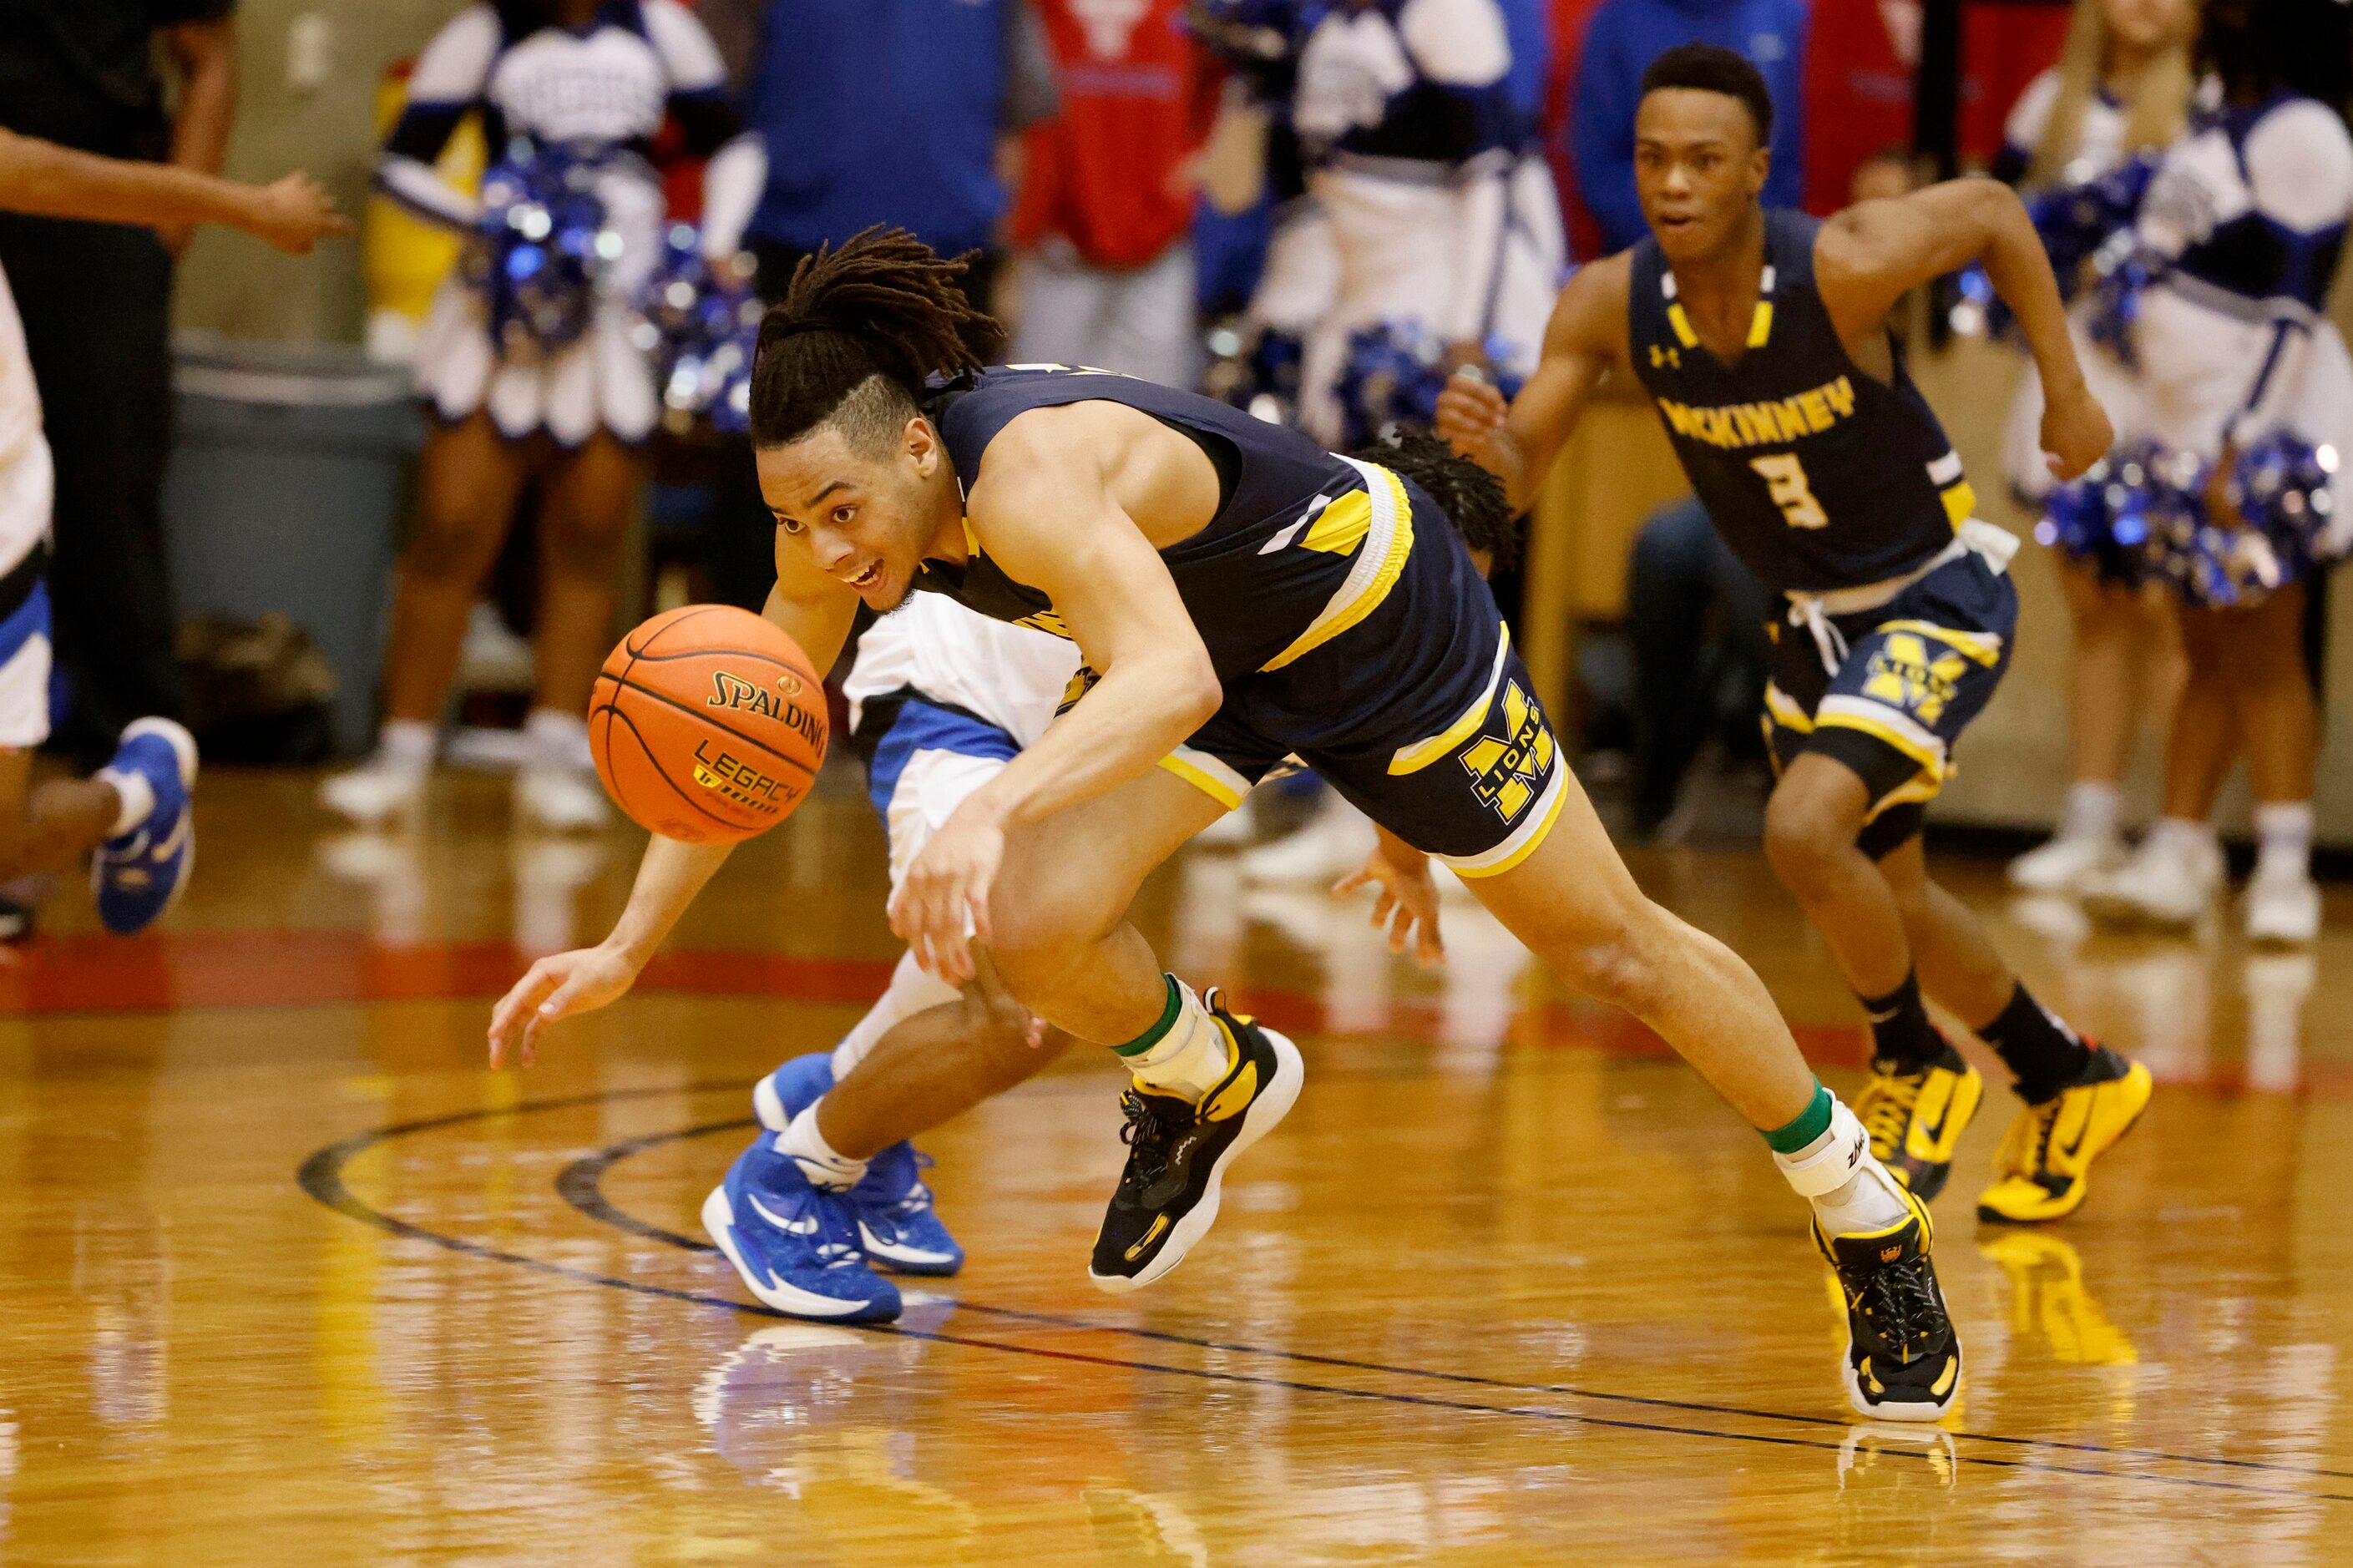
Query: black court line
[[321, 1176], [581, 1184]]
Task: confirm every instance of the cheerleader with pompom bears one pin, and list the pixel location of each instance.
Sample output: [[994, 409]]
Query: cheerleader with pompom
[[2119, 93], [537, 360], [2248, 387]]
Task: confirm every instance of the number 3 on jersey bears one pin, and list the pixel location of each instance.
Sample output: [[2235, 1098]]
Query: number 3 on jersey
[[1785, 480]]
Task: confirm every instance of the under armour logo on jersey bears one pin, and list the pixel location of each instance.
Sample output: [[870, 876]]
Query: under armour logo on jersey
[[1109, 24], [1664, 358]]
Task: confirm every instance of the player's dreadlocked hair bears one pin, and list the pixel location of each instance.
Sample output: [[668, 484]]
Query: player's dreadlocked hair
[[1469, 495], [861, 327]]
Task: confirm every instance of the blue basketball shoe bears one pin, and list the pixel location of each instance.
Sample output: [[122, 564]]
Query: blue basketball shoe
[[136, 877], [793, 1243], [896, 1222]]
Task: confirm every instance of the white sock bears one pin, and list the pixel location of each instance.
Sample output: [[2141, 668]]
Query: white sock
[[2284, 829], [2184, 837], [1191, 1059], [407, 745], [1852, 1191], [558, 739], [912, 990], [816, 1157], [2090, 810], [136, 795]]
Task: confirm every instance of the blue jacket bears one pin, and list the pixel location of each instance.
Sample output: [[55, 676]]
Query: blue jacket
[[1623, 38], [880, 112]]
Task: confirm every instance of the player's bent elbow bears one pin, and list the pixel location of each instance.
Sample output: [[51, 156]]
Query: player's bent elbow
[[1199, 693]]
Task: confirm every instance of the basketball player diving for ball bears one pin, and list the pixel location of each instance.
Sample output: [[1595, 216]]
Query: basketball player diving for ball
[[134, 812], [1762, 336], [1239, 595]]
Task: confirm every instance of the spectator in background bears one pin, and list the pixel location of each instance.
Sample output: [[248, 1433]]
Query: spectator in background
[[1622, 38], [96, 300], [575, 81], [2122, 88], [1107, 196], [940, 96]]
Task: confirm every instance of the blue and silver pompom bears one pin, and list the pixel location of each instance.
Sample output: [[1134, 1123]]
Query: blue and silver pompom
[[2086, 228], [2142, 515], [1392, 377], [2119, 517], [1258, 373], [2122, 273], [540, 245], [698, 327]]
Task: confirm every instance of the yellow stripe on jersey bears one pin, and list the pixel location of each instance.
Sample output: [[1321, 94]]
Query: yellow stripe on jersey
[[1896, 728], [1760, 326], [1342, 525], [1783, 709], [1422, 753], [1681, 324], [1960, 504], [1388, 540], [1207, 775]]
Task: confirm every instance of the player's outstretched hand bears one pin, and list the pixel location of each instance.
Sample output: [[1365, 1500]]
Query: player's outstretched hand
[[553, 990], [1470, 413], [942, 904], [2075, 432], [1405, 900], [294, 213]]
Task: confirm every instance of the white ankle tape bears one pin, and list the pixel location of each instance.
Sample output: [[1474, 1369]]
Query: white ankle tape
[[1833, 1162]]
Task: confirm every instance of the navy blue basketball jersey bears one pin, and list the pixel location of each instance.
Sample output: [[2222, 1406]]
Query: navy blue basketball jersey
[[1304, 544], [1818, 475]]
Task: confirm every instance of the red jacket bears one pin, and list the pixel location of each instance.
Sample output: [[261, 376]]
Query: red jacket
[[1136, 98]]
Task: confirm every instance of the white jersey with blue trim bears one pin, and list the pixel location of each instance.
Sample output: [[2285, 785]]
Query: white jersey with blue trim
[[25, 473], [931, 647]]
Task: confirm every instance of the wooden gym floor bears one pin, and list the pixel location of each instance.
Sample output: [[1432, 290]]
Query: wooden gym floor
[[285, 1276]]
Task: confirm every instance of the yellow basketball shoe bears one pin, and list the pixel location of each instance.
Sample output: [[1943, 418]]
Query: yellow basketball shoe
[[2043, 1166], [1904, 1359], [1916, 1119]]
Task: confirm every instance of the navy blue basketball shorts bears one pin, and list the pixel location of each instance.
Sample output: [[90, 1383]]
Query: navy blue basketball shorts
[[1414, 706], [1888, 691]]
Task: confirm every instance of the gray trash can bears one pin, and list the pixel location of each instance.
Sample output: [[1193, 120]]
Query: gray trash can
[[289, 468]]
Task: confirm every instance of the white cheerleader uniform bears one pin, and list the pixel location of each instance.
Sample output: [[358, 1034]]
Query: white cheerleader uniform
[[1437, 211], [26, 488], [2248, 212], [2250, 206], [605, 87]]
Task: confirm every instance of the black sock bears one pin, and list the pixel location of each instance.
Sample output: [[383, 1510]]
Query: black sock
[[2046, 1055], [1900, 1031]]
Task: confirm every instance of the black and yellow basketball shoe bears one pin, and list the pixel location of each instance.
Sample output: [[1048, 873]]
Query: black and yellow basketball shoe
[[1178, 1153], [1916, 1119], [2044, 1165], [1903, 1360]]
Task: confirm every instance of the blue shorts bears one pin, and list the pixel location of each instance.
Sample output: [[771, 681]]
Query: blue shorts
[[1913, 673], [1419, 712]]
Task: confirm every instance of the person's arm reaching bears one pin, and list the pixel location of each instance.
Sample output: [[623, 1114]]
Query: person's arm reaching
[[1518, 442], [205, 54], [1044, 509], [1870, 255], [48, 180], [816, 612]]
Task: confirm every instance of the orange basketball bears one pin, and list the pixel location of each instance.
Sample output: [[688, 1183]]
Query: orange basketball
[[708, 724]]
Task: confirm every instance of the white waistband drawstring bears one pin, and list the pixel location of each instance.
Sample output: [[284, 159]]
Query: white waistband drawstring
[[1815, 611]]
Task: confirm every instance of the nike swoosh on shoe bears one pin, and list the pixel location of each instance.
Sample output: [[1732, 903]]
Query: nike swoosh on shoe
[[797, 1226]]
